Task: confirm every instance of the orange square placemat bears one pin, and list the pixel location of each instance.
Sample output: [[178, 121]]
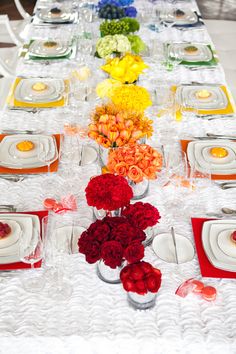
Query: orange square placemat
[[44, 169]]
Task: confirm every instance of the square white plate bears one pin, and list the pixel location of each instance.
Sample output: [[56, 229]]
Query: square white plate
[[177, 50], [197, 157], [10, 157], [189, 18], [38, 49], [25, 93], [186, 96], [211, 247], [30, 226]]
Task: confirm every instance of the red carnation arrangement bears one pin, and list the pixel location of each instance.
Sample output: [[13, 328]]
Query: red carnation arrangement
[[5, 230], [140, 278], [142, 215], [113, 240], [108, 192]]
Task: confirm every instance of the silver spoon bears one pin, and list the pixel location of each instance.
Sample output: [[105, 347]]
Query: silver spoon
[[228, 211]]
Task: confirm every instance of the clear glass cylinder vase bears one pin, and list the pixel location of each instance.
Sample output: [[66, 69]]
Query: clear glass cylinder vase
[[99, 214], [142, 302], [108, 274], [149, 232], [140, 190]]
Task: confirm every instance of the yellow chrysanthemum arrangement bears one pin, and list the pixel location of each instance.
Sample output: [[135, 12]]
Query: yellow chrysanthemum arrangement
[[131, 97], [125, 69]]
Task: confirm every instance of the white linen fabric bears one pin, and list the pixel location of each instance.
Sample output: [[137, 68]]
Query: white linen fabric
[[97, 318]]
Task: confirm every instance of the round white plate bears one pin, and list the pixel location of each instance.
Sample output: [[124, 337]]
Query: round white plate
[[13, 236], [231, 157], [164, 248], [63, 233], [89, 155], [225, 243]]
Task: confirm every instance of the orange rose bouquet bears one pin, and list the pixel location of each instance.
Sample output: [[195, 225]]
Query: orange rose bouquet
[[137, 162], [113, 127]]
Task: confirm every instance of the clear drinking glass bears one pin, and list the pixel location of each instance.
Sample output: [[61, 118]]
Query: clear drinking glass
[[31, 254]]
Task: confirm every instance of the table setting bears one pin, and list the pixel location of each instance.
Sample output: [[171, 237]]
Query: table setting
[[117, 176]]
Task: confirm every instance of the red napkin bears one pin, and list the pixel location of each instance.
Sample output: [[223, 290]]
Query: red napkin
[[207, 269], [20, 265]]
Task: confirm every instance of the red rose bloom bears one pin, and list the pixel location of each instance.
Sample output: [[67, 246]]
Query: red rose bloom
[[99, 230], [112, 253], [134, 252], [142, 215], [124, 233], [94, 253], [141, 277], [108, 192]]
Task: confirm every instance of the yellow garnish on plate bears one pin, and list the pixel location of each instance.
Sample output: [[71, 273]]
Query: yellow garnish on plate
[[202, 94], [191, 49], [49, 44], [25, 145], [218, 152], [39, 86]]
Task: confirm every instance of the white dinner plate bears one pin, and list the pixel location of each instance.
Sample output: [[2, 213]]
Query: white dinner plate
[[189, 18], [30, 226], [177, 50], [38, 49], [225, 243], [25, 93], [11, 159], [197, 159], [14, 235], [187, 95], [164, 248], [64, 233], [45, 15], [211, 248]]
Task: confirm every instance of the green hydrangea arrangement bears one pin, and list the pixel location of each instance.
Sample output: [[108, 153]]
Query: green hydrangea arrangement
[[137, 44], [124, 26], [109, 44]]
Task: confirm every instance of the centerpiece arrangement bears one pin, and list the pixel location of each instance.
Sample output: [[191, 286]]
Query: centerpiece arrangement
[[138, 163], [125, 69]]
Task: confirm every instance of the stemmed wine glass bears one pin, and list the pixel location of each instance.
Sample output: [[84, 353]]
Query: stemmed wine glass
[[31, 255]]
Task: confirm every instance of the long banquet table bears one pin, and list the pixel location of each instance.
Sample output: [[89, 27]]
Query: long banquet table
[[97, 318]]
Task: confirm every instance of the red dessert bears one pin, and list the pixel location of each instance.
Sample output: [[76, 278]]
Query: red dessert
[[198, 286], [209, 293], [5, 230], [233, 237]]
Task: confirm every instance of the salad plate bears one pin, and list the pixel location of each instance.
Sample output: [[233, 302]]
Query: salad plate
[[13, 237], [48, 15], [225, 243]]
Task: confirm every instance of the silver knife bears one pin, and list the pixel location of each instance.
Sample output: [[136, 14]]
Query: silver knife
[[13, 131], [210, 135], [174, 242]]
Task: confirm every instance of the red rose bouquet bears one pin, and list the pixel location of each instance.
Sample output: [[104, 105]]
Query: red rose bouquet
[[108, 192], [142, 215], [113, 240], [140, 278]]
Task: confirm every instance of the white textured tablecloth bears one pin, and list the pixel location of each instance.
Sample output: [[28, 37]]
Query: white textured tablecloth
[[97, 318]]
